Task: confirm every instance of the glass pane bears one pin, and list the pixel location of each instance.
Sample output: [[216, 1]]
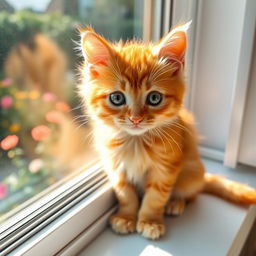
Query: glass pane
[[44, 135]]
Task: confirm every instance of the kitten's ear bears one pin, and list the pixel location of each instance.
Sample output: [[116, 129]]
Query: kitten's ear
[[172, 47], [95, 48]]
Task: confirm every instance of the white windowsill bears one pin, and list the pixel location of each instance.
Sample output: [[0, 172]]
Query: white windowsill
[[210, 226]]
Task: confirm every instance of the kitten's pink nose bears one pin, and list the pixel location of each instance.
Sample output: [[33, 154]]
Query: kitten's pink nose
[[135, 119]]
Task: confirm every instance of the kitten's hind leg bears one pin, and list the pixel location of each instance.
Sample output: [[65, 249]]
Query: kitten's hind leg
[[189, 183], [175, 207]]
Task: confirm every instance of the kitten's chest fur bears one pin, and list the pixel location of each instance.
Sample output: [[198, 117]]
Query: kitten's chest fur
[[135, 158], [127, 154]]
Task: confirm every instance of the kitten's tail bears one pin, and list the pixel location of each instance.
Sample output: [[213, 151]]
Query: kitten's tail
[[230, 190]]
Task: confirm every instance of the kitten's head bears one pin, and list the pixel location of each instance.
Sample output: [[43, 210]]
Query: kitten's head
[[134, 86]]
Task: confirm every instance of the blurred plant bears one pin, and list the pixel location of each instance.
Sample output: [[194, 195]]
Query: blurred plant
[[19, 131], [9, 142], [22, 25], [40, 132]]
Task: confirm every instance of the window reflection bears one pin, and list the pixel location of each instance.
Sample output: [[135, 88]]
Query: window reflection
[[44, 135]]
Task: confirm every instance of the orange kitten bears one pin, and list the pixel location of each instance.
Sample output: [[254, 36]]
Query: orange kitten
[[147, 140]]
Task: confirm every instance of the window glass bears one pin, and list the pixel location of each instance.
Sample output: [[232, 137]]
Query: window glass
[[44, 135]]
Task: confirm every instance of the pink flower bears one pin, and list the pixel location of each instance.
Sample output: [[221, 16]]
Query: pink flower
[[6, 102], [9, 142], [40, 132], [48, 97], [62, 106], [6, 82], [3, 191], [53, 116], [35, 165]]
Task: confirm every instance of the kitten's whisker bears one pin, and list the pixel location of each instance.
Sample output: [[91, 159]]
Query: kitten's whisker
[[79, 116], [83, 123], [89, 136], [169, 135], [170, 128], [76, 120], [159, 135], [77, 107], [151, 137], [166, 138], [178, 125]]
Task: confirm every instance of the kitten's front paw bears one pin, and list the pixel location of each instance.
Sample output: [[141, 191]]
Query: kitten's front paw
[[151, 229], [123, 224]]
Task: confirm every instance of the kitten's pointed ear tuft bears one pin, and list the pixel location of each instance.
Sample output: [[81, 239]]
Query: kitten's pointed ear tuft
[[172, 46], [95, 48]]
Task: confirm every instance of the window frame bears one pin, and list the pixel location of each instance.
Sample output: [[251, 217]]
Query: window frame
[[27, 223], [70, 225]]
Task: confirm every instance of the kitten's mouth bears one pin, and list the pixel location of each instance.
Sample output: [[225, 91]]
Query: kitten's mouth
[[136, 126], [135, 129]]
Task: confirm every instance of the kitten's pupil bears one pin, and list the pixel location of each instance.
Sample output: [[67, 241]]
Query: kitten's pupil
[[154, 98], [117, 98]]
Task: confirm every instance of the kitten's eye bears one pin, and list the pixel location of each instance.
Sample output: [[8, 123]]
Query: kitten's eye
[[154, 98], [117, 98]]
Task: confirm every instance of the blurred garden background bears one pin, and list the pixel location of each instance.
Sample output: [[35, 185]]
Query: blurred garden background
[[41, 119]]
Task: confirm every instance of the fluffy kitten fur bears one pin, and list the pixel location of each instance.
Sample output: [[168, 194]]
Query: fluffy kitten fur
[[152, 149]]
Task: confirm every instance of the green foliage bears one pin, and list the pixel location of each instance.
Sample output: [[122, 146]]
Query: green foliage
[[22, 25]]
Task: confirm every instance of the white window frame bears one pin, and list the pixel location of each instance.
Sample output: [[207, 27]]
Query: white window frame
[[64, 230]]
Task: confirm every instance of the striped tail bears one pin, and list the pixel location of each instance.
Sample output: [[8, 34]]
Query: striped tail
[[229, 190]]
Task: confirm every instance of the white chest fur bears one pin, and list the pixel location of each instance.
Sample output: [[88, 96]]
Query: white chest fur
[[131, 156], [136, 160]]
